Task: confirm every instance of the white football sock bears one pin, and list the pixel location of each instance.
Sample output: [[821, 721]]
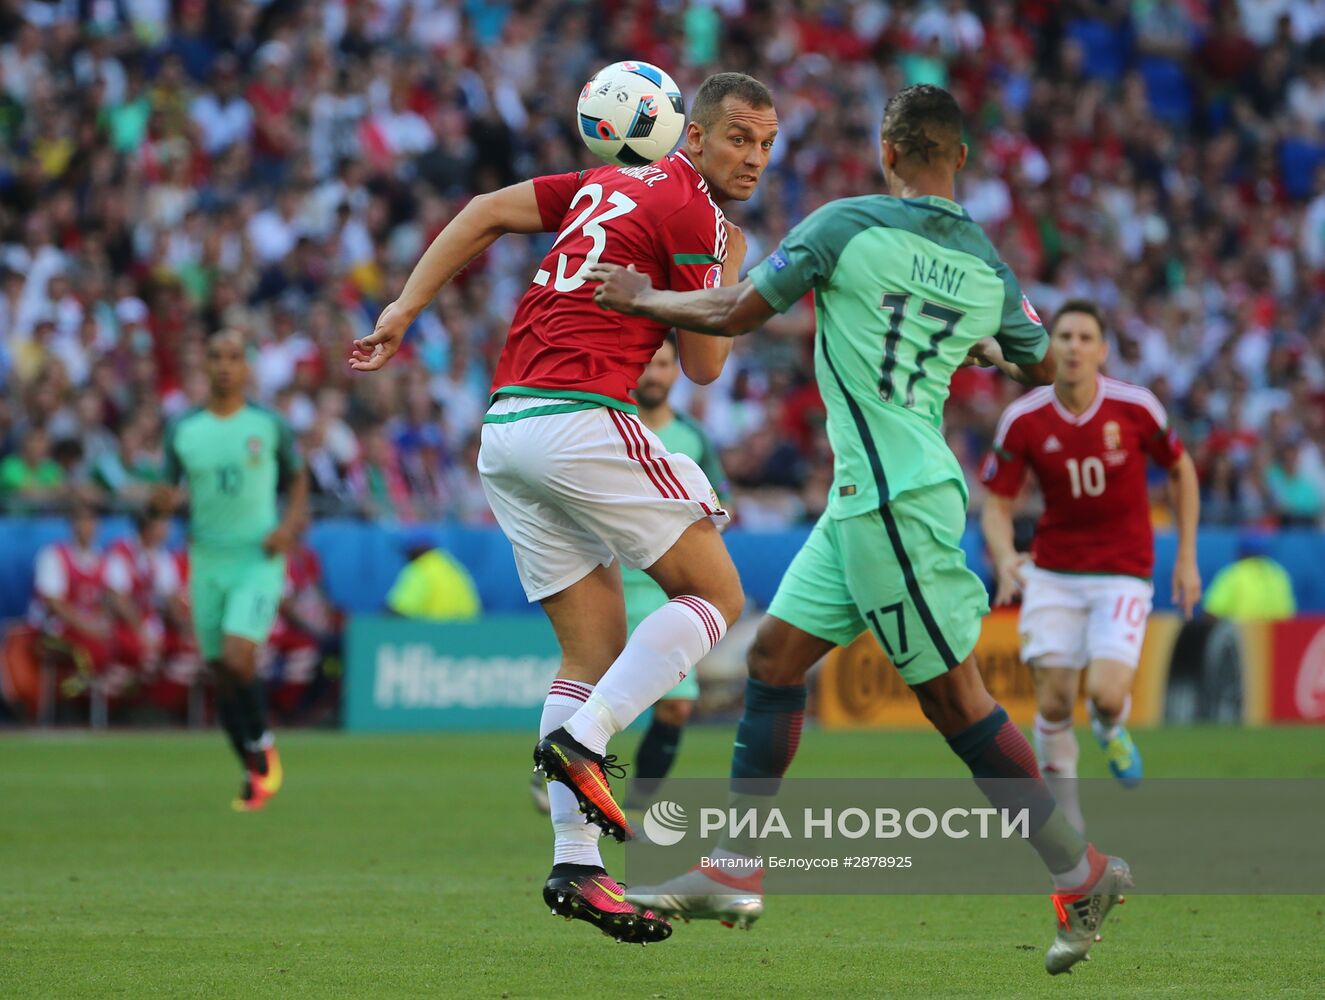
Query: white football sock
[[661, 651], [1057, 751], [1104, 731], [576, 840]]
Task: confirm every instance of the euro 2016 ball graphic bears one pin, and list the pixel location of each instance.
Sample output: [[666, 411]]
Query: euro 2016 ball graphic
[[631, 114]]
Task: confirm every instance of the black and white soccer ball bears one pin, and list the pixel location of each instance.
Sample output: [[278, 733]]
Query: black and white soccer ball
[[630, 114]]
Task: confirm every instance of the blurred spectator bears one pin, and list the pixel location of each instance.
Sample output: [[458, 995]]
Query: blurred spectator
[[1295, 497], [956, 29], [433, 585], [30, 477], [221, 114], [377, 482], [419, 443], [130, 470]]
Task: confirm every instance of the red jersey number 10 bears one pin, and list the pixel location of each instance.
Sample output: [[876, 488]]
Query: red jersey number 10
[[1087, 476], [619, 204]]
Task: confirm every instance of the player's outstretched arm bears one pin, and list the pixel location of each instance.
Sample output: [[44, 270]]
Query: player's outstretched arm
[[720, 312], [1185, 491], [513, 209], [996, 523]]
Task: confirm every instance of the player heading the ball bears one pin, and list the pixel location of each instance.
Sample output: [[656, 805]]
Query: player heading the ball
[[576, 481]]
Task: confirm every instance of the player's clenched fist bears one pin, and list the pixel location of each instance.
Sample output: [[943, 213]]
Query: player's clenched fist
[[375, 350], [279, 540], [621, 287], [985, 352]]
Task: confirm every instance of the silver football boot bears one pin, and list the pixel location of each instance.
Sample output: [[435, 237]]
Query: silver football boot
[[697, 896], [1080, 916]]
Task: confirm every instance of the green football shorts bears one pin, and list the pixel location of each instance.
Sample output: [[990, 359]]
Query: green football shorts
[[898, 571], [643, 598], [233, 594]]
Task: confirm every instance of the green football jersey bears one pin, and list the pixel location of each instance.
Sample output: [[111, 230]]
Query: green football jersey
[[903, 288], [235, 467], [682, 436]]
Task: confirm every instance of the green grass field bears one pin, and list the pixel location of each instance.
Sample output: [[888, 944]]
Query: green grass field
[[410, 867]]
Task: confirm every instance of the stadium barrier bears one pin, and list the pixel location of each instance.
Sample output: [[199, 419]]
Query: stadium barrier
[[1293, 687], [858, 687], [360, 560], [492, 673], [1202, 671]]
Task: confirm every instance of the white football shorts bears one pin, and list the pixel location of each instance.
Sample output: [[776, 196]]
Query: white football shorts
[[575, 488], [1068, 620]]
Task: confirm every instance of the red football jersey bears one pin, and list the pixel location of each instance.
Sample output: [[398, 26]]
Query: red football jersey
[[662, 219], [1092, 472], [142, 572], [86, 581]]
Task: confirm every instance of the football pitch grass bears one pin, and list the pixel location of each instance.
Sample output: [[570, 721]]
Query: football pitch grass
[[410, 866]]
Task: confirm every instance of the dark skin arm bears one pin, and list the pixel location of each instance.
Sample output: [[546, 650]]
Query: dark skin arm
[[732, 311], [166, 498], [986, 353], [728, 311], [296, 513]]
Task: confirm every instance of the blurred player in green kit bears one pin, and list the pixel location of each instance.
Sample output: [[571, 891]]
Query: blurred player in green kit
[[235, 459], [657, 750]]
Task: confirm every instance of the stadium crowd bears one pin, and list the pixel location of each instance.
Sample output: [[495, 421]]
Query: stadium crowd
[[171, 166]]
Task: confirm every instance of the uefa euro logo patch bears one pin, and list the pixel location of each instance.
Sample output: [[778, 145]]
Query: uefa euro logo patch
[[1030, 312], [714, 276]]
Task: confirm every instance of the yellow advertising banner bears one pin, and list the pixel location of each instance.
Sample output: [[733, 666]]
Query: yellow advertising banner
[[857, 686]]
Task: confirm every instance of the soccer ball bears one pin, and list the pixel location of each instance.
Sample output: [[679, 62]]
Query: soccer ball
[[630, 114]]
